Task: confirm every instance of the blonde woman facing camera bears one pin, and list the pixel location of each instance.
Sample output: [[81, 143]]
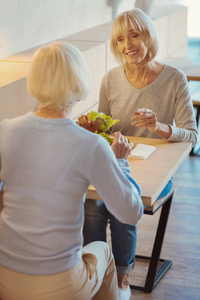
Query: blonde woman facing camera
[[147, 97], [47, 163]]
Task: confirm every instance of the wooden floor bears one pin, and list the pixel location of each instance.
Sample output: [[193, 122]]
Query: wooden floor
[[182, 240]]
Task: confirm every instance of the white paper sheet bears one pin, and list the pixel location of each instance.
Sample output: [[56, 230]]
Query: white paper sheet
[[142, 151]]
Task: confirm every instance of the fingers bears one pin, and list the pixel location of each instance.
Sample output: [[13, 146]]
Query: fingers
[[121, 146], [145, 122], [88, 118], [117, 136], [142, 113], [144, 118], [84, 120], [143, 110]]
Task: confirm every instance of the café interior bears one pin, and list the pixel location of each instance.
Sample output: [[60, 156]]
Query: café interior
[[27, 25]]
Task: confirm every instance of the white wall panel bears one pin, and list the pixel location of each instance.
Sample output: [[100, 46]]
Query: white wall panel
[[28, 23]]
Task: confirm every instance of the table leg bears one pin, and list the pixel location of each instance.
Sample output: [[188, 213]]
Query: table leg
[[154, 274]]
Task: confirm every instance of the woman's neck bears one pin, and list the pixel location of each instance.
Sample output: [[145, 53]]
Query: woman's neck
[[53, 114], [138, 72], [141, 76]]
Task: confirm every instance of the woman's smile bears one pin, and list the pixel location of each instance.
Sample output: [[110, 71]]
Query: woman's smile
[[132, 53]]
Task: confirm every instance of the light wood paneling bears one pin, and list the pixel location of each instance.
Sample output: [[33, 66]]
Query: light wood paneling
[[12, 71]]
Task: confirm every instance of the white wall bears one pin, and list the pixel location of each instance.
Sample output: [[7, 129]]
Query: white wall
[[20, 32], [28, 23]]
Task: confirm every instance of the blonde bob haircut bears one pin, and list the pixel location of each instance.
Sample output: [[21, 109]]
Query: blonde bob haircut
[[58, 76], [141, 23]]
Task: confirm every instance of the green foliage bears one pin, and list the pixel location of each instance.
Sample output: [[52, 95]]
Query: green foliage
[[106, 123], [108, 138]]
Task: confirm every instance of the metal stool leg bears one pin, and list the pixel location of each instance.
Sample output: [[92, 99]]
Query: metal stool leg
[[154, 275]]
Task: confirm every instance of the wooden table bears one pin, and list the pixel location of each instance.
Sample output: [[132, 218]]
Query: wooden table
[[152, 175]]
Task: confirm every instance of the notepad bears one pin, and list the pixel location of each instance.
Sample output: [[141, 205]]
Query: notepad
[[142, 151]]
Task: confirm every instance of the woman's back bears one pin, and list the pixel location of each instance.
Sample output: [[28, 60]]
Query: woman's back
[[44, 183]]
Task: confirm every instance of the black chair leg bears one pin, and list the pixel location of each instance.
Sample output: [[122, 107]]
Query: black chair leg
[[154, 273]]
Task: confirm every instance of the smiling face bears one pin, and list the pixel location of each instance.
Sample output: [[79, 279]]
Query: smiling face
[[133, 39], [132, 45]]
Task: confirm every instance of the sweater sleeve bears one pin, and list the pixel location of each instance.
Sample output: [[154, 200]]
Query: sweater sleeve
[[115, 185], [185, 128], [104, 106]]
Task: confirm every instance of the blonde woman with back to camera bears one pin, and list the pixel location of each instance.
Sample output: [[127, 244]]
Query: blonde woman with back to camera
[[147, 96], [47, 162]]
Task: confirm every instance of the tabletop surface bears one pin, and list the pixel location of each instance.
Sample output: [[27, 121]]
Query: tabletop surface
[[153, 173]]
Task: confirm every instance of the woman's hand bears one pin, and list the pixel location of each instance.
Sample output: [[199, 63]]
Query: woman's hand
[[121, 146], [145, 118], [85, 122]]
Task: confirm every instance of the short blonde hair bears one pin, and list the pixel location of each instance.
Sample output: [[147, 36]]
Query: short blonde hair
[[140, 22], [58, 76]]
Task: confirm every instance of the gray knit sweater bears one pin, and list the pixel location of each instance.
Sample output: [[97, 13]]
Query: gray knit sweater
[[168, 96]]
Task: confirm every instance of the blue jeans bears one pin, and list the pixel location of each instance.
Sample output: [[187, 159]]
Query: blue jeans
[[123, 236]]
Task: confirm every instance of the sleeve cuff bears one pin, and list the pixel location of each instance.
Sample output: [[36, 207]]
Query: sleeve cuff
[[123, 163]]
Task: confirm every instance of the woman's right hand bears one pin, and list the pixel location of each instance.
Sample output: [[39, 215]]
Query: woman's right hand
[[85, 122], [121, 146]]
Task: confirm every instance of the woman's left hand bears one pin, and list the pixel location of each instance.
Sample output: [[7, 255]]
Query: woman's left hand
[[145, 118], [120, 146]]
